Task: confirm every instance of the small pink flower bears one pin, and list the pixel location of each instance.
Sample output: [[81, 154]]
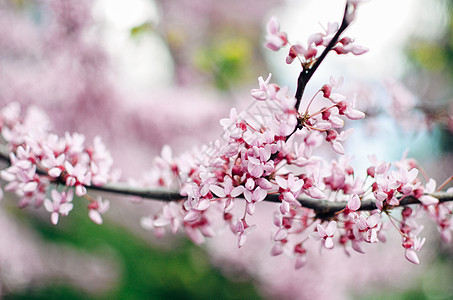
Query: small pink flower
[[261, 93], [242, 230], [228, 192], [275, 39], [97, 208], [59, 205], [257, 195], [430, 188], [412, 245], [325, 234]]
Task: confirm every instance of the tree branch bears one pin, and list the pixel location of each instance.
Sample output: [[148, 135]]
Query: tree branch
[[324, 209]]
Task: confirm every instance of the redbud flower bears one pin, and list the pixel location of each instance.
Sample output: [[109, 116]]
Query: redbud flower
[[325, 234], [97, 208], [261, 93], [59, 205], [275, 38], [430, 188], [242, 230]]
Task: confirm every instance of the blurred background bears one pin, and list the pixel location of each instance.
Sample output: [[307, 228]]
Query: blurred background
[[145, 73]]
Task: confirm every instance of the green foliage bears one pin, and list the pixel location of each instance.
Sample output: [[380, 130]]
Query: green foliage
[[437, 55], [226, 60], [142, 29]]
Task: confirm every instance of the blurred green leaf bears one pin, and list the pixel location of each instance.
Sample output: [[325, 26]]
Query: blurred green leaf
[[226, 60]]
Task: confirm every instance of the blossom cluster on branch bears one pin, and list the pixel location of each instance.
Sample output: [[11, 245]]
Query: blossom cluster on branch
[[271, 151], [40, 158]]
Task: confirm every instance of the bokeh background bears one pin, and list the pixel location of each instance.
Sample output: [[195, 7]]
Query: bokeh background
[[145, 73]]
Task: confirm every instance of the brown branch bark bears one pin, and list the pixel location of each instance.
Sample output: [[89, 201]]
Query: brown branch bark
[[324, 209]]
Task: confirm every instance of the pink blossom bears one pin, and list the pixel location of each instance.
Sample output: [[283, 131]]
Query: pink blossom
[[405, 178], [253, 197], [347, 109], [366, 229], [290, 189], [299, 49], [412, 245], [242, 230], [275, 39], [229, 192], [97, 208], [261, 93], [171, 214], [428, 199], [325, 234], [59, 205]]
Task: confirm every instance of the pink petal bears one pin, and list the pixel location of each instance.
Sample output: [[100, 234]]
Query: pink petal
[[412, 256], [276, 250], [54, 218], [355, 114], [337, 147], [373, 220], [430, 186], [248, 195], [316, 193], [300, 262], [359, 50], [203, 204], [241, 240], [65, 208], [264, 183], [251, 208], [281, 234], [261, 194], [354, 203], [218, 191], [357, 246], [237, 191], [273, 26], [54, 172], [321, 230], [192, 216], [328, 243], [48, 205], [281, 182], [146, 223], [195, 235], [161, 222], [95, 216], [30, 186], [331, 228], [428, 200]]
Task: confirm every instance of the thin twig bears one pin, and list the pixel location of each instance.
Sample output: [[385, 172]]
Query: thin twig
[[306, 74]]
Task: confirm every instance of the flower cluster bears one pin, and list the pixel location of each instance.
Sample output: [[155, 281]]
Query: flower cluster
[[262, 157], [39, 158], [316, 43], [267, 153]]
